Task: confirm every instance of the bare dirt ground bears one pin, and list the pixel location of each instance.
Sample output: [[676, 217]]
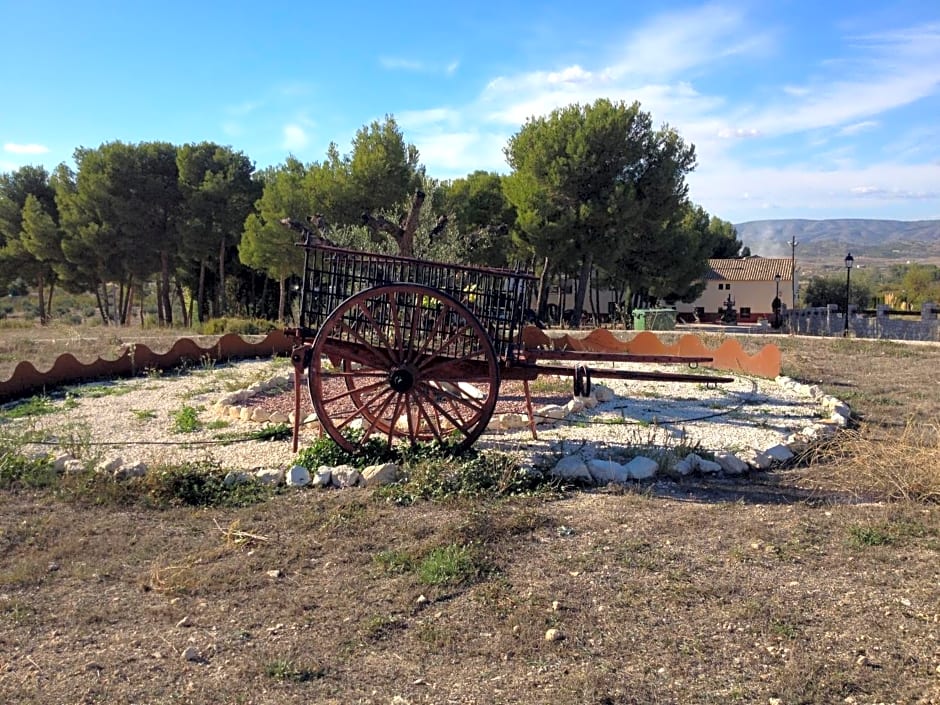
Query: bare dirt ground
[[789, 587]]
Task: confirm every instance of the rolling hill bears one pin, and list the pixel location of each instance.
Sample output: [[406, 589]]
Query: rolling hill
[[826, 242]]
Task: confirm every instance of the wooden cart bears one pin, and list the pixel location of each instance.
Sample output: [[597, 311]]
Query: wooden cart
[[409, 350]]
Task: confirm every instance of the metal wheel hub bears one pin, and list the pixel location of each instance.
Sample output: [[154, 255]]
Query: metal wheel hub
[[401, 380]]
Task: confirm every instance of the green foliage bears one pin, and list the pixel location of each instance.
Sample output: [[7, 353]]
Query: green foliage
[[201, 485], [287, 670], [449, 565], [870, 535], [186, 420], [241, 326], [19, 470], [434, 474], [822, 291], [33, 406], [597, 183], [324, 451]]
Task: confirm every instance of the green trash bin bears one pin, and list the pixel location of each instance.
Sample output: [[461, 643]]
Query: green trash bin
[[661, 319], [654, 319], [639, 319]]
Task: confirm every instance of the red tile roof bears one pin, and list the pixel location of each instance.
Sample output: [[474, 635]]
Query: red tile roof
[[750, 269]]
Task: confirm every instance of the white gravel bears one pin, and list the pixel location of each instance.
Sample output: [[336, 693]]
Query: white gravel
[[135, 420]]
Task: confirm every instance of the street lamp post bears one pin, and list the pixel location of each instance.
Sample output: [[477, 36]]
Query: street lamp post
[[848, 273], [776, 302]]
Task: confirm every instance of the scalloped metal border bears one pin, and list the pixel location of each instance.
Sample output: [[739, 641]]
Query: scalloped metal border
[[137, 358]]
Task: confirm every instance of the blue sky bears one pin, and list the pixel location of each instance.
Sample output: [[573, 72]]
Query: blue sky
[[797, 109]]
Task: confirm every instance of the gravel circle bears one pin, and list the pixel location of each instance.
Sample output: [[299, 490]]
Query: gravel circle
[[135, 419]]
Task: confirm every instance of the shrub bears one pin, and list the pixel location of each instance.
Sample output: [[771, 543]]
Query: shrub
[[241, 326]]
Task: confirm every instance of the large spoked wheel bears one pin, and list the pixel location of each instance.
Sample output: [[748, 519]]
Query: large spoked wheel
[[403, 362]]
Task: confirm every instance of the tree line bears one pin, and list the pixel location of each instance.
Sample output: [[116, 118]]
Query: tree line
[[595, 192]]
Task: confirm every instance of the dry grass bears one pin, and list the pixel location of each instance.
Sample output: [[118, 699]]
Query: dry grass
[[803, 585], [905, 466]]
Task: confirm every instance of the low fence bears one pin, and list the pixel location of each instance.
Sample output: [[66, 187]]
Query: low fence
[[885, 323]]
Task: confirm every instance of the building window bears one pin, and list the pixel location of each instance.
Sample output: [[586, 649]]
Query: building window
[[721, 287]]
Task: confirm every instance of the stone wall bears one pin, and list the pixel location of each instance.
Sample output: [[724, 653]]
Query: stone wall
[[829, 321]]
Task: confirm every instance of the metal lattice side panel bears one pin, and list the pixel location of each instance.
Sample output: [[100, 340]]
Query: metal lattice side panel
[[497, 297]]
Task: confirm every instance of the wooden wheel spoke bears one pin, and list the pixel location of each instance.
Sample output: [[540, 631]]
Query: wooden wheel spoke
[[467, 401], [399, 345], [350, 392], [441, 367], [356, 334], [446, 344], [378, 329], [435, 329], [356, 413], [460, 423], [423, 412], [376, 417], [395, 413]]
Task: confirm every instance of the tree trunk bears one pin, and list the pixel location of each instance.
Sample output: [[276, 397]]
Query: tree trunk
[[541, 298], [128, 302], [40, 285], [49, 298], [182, 299], [281, 299], [165, 288], [583, 278], [201, 295], [102, 308], [221, 285]]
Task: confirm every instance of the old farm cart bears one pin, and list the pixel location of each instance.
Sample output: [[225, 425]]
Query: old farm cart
[[404, 349]]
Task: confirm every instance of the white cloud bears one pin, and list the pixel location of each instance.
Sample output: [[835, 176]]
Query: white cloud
[[857, 127], [295, 137], [15, 148], [726, 133], [398, 63]]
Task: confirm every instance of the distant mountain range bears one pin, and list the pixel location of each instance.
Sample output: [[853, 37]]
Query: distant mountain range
[[825, 242]]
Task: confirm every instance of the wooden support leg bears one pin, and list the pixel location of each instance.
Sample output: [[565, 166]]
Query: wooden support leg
[[297, 357], [528, 408]]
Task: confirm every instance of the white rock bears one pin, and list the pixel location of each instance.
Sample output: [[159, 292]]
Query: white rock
[[259, 415], [589, 401], [575, 405], [550, 412], [760, 459], [110, 466], [278, 417], [129, 470], [270, 476], [514, 421], [815, 391], [602, 393], [59, 461], [838, 419], [605, 471], [375, 475], [730, 463], [641, 468], [323, 477], [554, 635], [779, 453], [235, 477], [572, 467], [297, 476], [702, 465], [73, 466], [684, 467], [344, 476], [191, 653], [244, 414], [468, 390], [235, 412]]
